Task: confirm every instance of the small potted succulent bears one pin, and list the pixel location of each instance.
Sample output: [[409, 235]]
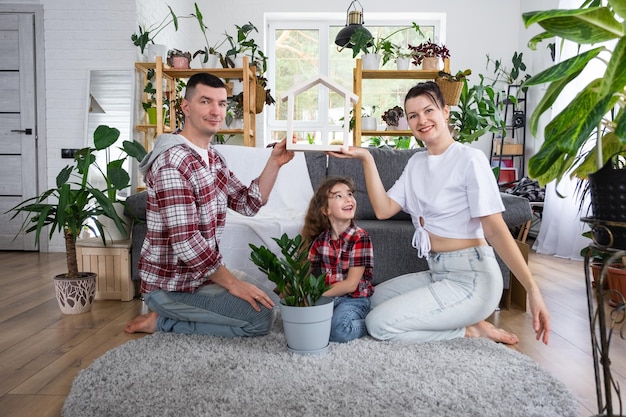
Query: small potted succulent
[[178, 59], [429, 54]]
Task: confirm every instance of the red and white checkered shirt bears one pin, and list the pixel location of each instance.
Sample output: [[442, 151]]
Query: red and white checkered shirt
[[352, 248], [185, 215]]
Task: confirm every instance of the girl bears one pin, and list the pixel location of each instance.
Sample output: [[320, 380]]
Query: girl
[[344, 252], [455, 205]]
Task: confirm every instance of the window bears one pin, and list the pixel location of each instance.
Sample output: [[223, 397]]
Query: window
[[302, 47]]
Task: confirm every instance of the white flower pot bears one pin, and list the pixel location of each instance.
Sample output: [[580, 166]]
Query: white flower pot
[[371, 61], [368, 123], [213, 61], [403, 63]]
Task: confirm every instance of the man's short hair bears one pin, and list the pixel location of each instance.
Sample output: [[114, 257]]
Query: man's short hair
[[203, 78]]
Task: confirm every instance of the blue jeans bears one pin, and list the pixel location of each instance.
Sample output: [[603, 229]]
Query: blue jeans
[[460, 289], [210, 310], [348, 320]]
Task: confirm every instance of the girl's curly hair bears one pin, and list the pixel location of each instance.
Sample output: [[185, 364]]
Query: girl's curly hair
[[316, 221]]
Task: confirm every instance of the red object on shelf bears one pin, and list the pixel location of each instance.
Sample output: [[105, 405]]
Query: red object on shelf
[[507, 175]]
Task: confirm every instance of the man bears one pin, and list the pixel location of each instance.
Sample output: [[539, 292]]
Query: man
[[185, 285]]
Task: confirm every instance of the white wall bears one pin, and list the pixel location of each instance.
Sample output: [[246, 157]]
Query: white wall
[[95, 34]]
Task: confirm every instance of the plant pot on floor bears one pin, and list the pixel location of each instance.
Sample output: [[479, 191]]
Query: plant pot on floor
[[75, 295], [616, 277], [307, 329]]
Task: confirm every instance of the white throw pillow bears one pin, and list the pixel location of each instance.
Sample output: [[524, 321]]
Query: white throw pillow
[[292, 191]]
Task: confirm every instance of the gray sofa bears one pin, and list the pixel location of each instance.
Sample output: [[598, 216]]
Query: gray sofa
[[393, 253]]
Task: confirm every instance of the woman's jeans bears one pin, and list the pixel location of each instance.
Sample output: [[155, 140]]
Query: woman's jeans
[[460, 289], [348, 320], [210, 310]]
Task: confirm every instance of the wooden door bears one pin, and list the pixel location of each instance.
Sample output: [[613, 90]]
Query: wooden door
[[18, 130]]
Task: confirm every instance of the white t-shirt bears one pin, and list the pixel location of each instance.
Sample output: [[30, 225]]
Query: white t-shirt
[[449, 191]]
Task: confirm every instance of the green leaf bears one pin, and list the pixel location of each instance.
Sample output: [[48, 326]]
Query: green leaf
[[583, 26], [105, 136]]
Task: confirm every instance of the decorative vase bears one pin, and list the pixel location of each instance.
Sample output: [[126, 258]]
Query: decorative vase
[[75, 295], [430, 63], [180, 62], [307, 329], [616, 277], [371, 61], [403, 63]]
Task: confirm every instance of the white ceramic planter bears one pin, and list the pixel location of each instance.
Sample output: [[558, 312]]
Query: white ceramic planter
[[368, 123], [402, 64], [371, 61], [111, 232]]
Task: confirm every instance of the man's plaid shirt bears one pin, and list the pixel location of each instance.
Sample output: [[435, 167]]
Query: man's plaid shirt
[[185, 215], [352, 248]]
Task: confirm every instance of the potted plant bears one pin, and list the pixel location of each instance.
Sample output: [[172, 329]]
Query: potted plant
[[402, 57], [211, 54], [149, 106], [583, 139], [242, 45], [69, 207], [178, 59], [428, 54], [395, 119], [476, 112], [451, 85], [306, 314], [145, 35], [510, 76], [362, 42]]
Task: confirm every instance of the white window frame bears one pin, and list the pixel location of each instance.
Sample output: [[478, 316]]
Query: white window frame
[[321, 22]]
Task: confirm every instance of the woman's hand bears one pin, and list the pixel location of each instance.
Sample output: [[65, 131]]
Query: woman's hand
[[352, 152], [540, 314]]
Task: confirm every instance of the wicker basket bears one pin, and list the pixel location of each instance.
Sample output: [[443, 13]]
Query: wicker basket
[[260, 98], [451, 90]]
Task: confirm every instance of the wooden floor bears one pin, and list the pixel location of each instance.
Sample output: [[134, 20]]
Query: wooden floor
[[42, 350]]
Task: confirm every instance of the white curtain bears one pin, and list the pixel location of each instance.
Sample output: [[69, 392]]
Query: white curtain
[[561, 228]]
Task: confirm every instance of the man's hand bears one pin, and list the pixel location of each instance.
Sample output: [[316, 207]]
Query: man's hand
[[280, 154]]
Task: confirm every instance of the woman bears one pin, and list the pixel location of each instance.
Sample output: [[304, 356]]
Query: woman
[[455, 205]]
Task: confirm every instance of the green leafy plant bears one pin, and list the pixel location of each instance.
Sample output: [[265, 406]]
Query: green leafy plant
[[592, 126], [292, 274], [74, 204], [458, 77], [513, 75], [146, 35], [362, 42], [114, 174], [476, 113], [208, 49]]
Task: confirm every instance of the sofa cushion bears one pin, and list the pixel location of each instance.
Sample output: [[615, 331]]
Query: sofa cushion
[[390, 164]]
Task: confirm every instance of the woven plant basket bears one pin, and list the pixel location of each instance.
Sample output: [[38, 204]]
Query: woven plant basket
[[451, 90], [260, 98]]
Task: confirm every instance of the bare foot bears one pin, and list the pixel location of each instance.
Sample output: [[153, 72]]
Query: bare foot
[[488, 330], [145, 323]]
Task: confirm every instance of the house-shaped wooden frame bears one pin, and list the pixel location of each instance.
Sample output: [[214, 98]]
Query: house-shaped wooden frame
[[349, 97]]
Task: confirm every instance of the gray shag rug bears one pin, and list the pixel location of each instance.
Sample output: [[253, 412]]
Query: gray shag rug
[[189, 375]]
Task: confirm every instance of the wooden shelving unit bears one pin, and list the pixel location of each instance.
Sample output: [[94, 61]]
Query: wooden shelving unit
[[165, 75], [360, 74]]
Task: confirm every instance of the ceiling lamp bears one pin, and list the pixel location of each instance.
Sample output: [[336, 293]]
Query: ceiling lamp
[[354, 21]]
